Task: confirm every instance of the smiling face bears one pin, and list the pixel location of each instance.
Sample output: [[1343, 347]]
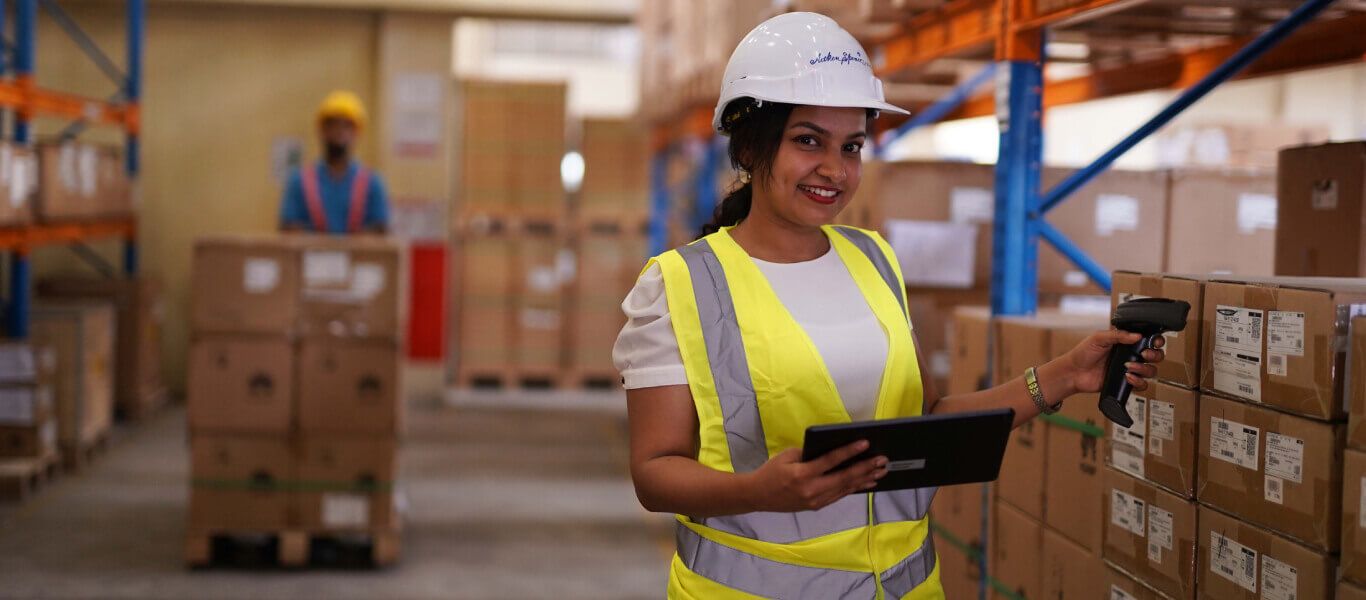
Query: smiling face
[[817, 167]]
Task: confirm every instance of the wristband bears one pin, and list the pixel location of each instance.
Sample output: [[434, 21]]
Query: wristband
[[1036, 392]]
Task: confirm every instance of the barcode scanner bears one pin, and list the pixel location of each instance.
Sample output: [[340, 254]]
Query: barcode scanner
[[1150, 317]]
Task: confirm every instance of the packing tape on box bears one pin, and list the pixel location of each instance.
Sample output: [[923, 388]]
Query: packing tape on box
[[376, 487], [1075, 425]]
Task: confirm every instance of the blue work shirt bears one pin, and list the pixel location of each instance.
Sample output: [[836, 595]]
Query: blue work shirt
[[336, 199]]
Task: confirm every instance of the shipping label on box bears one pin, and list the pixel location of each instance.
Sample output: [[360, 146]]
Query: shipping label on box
[[1242, 561], [1150, 532], [1354, 515]]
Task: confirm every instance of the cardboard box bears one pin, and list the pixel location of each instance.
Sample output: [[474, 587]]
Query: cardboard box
[[1017, 545], [1322, 211], [245, 284], [1070, 572], [72, 184], [1236, 145], [1349, 591], [932, 311], [968, 350], [944, 192], [28, 422], [1353, 524], [82, 336], [959, 574], [141, 306], [1183, 348], [607, 270], [351, 287], [238, 482], [349, 483], [1073, 485], [1150, 533], [1109, 217], [1356, 383], [349, 387], [538, 324], [1021, 343], [1161, 447], [1222, 223], [1123, 586], [958, 509], [616, 171], [241, 384], [1276, 470], [1242, 561], [483, 299], [1279, 341]]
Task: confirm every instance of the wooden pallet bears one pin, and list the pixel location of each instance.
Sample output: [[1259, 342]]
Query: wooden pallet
[[152, 403], [22, 477], [613, 226], [77, 457], [593, 379], [475, 378], [293, 548]]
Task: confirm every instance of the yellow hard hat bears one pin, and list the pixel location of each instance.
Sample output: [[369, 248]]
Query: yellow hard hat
[[345, 105]]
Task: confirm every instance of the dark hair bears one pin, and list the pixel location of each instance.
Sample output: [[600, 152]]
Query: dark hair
[[756, 133]]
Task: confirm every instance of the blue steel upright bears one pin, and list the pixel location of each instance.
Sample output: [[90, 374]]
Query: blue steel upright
[[707, 193], [25, 30], [1015, 243], [137, 13]]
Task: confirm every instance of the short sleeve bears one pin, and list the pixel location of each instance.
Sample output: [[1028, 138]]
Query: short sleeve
[[292, 206], [377, 204], [646, 352]]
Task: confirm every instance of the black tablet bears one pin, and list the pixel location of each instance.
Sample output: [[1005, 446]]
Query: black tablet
[[927, 451]]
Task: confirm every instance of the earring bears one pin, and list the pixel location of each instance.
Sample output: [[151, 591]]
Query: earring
[[744, 176]]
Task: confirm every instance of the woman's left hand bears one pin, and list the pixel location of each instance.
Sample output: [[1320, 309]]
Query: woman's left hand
[[1087, 360]]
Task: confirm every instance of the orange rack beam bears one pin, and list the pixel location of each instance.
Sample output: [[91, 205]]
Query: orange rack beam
[[23, 238], [30, 100]]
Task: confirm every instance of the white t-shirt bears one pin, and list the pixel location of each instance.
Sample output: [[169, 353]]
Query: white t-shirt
[[820, 295]]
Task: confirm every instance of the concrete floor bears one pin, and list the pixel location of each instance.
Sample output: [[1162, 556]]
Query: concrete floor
[[508, 496]]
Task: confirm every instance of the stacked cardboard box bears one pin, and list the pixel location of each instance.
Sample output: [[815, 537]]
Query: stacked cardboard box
[[295, 407], [81, 334], [1354, 466], [685, 46], [28, 417], [81, 181], [1322, 193], [616, 179], [139, 388], [607, 266], [512, 140]]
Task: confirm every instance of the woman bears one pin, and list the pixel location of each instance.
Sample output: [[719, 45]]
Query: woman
[[775, 321]]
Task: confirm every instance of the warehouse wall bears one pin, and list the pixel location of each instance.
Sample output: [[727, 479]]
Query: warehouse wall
[[221, 84]]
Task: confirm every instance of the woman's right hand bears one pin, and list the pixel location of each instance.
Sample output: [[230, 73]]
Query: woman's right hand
[[786, 484]]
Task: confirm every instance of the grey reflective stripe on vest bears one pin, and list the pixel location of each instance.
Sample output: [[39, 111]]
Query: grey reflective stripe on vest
[[850, 512], [740, 570], [910, 573], [726, 355], [902, 505], [865, 243]]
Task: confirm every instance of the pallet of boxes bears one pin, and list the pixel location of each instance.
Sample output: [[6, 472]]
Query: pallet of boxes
[[29, 453], [509, 233], [295, 408]]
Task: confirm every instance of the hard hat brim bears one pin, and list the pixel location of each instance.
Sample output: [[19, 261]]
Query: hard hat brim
[[833, 102]]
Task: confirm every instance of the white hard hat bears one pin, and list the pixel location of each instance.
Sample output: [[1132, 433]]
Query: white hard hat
[[801, 58]]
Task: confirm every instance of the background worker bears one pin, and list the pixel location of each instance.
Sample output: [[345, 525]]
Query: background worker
[[774, 321], [336, 195]]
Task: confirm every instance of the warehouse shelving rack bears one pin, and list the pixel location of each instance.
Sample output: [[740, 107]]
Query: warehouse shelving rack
[[21, 94], [1009, 35]]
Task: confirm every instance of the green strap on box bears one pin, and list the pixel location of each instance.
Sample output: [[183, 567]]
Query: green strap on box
[[1075, 425], [976, 556]]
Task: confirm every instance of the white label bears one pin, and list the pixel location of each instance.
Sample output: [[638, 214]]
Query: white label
[[971, 205], [1361, 509], [1285, 332], [17, 406], [1238, 351], [1284, 456], [1162, 420], [1160, 527], [326, 267], [346, 510], [89, 170], [542, 279], [1234, 442], [1279, 580], [1275, 364], [1256, 211], [1126, 459], [1127, 512], [1155, 446], [941, 363], [1273, 489], [1234, 561], [1116, 213], [367, 280], [935, 253], [1075, 279], [1118, 594], [260, 275], [913, 464], [48, 434], [1325, 195], [20, 177], [533, 318], [1084, 304], [1154, 552]]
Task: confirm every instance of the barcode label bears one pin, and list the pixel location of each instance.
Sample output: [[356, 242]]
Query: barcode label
[[1234, 442], [1273, 488], [1233, 561], [1237, 352], [1119, 594], [1127, 512], [1285, 332], [1284, 457], [1275, 365], [1279, 580]]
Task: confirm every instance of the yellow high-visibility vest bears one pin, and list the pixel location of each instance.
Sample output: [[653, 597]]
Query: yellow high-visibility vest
[[758, 382]]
